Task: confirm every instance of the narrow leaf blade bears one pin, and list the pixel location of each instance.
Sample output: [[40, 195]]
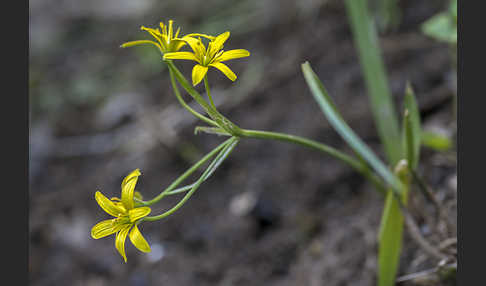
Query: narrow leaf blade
[[335, 119], [412, 128], [372, 65], [390, 241]]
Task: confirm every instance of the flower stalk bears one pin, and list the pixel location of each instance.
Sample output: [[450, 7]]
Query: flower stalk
[[223, 154]]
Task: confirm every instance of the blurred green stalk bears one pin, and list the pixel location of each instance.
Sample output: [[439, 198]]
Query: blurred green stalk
[[365, 37]]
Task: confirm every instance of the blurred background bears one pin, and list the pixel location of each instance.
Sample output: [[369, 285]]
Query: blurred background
[[273, 213]]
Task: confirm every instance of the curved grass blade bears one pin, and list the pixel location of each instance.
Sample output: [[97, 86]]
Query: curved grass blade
[[335, 119]]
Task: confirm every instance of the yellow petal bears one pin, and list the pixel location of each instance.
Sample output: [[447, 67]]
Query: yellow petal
[[195, 35], [170, 29], [121, 236], [175, 45], [134, 174], [138, 213], [232, 54], [225, 69], [197, 46], [164, 30], [128, 187], [198, 73], [157, 35], [138, 240], [180, 56], [103, 228], [217, 43], [108, 206], [140, 42], [155, 32]]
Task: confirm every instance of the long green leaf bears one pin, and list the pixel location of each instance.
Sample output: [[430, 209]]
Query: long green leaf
[[335, 119], [386, 119], [411, 128], [390, 241]]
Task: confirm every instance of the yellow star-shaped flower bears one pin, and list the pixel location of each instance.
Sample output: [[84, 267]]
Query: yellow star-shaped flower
[[127, 217], [213, 56], [167, 40]]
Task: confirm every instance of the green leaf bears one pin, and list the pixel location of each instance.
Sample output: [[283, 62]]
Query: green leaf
[[382, 107], [335, 119], [435, 141], [442, 27], [390, 241], [411, 128]]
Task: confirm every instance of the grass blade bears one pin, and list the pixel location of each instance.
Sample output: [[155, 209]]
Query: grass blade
[[335, 119], [390, 241], [382, 106], [411, 128]]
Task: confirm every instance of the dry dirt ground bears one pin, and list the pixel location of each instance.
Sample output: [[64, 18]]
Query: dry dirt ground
[[98, 112]]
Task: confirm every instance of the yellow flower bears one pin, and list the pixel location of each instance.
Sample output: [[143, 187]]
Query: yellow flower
[[126, 215], [210, 57], [167, 40]]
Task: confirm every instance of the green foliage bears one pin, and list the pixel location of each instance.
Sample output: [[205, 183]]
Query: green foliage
[[411, 129], [435, 141], [390, 241], [335, 119], [443, 26], [386, 119]]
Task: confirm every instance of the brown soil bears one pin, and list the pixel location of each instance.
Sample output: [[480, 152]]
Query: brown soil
[[99, 112]]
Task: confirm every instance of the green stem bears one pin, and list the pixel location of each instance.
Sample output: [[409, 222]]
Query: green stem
[[187, 173], [222, 121], [357, 165], [192, 92], [208, 91], [185, 105], [211, 168], [216, 162]]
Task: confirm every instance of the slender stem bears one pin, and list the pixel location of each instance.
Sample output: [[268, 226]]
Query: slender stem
[[357, 165], [208, 91], [211, 168], [222, 121], [187, 173], [185, 105], [192, 92], [211, 130], [216, 162]]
